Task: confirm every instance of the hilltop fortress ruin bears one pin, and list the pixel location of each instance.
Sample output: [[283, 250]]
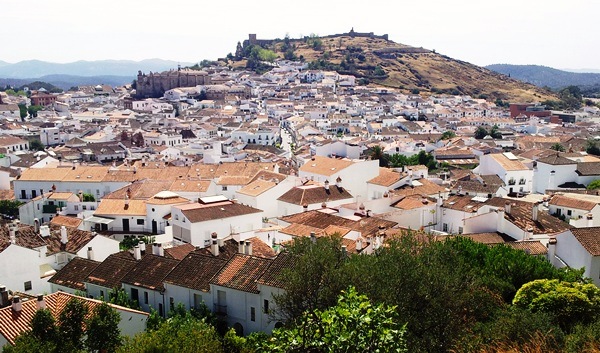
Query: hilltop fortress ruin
[[252, 40], [154, 85]]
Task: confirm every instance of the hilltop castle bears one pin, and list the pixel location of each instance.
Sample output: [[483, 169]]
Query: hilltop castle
[[154, 85], [252, 40]]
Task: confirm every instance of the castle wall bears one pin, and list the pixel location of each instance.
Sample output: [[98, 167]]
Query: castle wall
[[154, 85]]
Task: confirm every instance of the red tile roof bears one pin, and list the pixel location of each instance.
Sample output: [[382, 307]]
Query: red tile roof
[[112, 270], [242, 273], [589, 238], [150, 271], [195, 272], [74, 273]]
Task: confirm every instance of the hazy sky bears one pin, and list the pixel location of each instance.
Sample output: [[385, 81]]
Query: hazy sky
[[556, 33]]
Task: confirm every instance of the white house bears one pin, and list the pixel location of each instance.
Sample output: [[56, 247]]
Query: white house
[[580, 210], [576, 248], [515, 175]]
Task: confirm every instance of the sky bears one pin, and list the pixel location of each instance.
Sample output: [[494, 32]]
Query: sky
[[555, 33]]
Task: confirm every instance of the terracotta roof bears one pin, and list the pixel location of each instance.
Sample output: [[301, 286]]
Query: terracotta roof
[[66, 221], [205, 212], [242, 273], [25, 237], [179, 252], [226, 252], [426, 188], [111, 271], [150, 271], [413, 202], [571, 202], [589, 238], [273, 275], [301, 230], [195, 271], [556, 159], [367, 226], [110, 207], [488, 238], [14, 324], [257, 187], [314, 194], [387, 177], [74, 273], [77, 239], [325, 166], [507, 163], [588, 168], [532, 247]]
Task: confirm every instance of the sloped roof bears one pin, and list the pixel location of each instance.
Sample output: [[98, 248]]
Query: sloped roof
[[195, 271], [314, 194], [242, 273], [589, 238], [111, 271], [150, 271], [74, 273]]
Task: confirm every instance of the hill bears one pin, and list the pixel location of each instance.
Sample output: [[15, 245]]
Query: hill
[[378, 60], [37, 69], [547, 76], [67, 81]]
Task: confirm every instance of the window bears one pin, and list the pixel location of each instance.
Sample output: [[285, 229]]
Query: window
[[84, 207], [460, 230], [27, 285], [445, 227], [140, 221], [265, 306], [171, 303], [224, 188], [252, 314], [76, 207], [569, 212], [101, 294], [145, 297]]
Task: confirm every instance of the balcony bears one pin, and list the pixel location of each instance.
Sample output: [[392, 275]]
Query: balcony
[[512, 182], [49, 208]]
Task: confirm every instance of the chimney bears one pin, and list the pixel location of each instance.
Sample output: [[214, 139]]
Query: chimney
[[590, 219], [215, 244], [241, 247], [551, 250], [326, 183], [41, 303], [90, 253], [248, 247], [64, 238], [338, 182], [507, 207], [313, 237], [137, 253], [3, 296], [529, 233], [534, 212], [358, 244], [344, 251], [161, 251], [36, 225], [154, 248], [305, 207], [16, 304]]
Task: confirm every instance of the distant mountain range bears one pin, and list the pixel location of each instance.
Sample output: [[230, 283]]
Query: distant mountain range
[[544, 76], [110, 72]]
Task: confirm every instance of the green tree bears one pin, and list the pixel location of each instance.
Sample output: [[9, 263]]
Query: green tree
[[571, 97], [36, 145], [103, 332], [594, 185], [182, 334], [23, 111], [316, 279], [354, 324], [43, 326], [378, 153], [592, 147], [34, 109], [558, 147], [27, 343], [480, 133], [448, 134], [71, 325], [571, 303], [10, 207], [88, 198], [495, 132]]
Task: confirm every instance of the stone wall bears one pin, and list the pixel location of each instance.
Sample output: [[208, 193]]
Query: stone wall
[[154, 85]]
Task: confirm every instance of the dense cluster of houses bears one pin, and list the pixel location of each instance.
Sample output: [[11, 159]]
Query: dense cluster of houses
[[221, 177]]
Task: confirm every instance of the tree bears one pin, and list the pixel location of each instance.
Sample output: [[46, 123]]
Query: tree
[[43, 326], [495, 132], [88, 198], [137, 139], [448, 134], [36, 145], [480, 133], [316, 278], [354, 324], [591, 186], [10, 207], [181, 334], [571, 97], [22, 111], [103, 332], [592, 147], [33, 109], [378, 153], [71, 324], [557, 147], [571, 303]]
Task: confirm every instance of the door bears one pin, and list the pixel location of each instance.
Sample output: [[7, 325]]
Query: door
[[126, 224], [154, 227]]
